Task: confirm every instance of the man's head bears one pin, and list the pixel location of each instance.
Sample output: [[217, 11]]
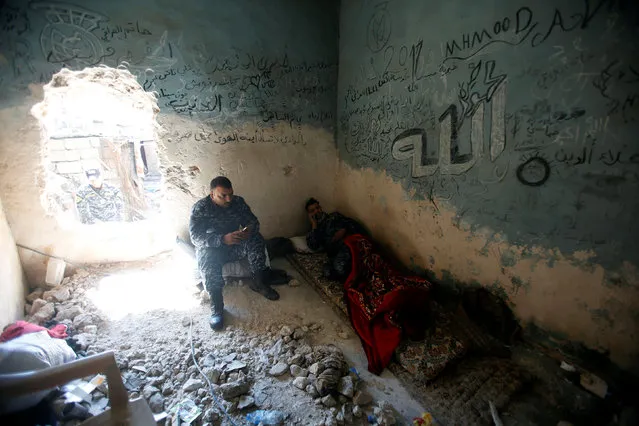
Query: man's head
[[95, 178], [221, 191], [314, 209]]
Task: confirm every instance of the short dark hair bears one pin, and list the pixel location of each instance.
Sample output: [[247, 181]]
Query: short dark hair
[[310, 202], [222, 181]]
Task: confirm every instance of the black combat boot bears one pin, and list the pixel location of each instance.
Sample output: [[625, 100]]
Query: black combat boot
[[259, 284], [217, 309]]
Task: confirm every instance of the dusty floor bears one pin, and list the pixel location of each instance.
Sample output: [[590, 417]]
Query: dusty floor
[[147, 308]]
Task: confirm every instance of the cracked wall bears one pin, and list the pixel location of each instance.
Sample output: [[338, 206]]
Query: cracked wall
[[494, 143]]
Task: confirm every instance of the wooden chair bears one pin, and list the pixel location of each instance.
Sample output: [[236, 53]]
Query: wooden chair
[[122, 412]]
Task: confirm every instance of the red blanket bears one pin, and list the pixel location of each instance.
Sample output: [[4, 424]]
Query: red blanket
[[375, 294], [19, 328]]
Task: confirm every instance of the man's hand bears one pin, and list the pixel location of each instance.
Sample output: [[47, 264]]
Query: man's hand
[[313, 221], [233, 238], [339, 235]]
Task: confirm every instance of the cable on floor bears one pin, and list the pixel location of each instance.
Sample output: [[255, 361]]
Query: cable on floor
[[211, 391]]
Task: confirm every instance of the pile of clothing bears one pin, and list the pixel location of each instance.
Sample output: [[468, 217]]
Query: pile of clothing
[[28, 347]]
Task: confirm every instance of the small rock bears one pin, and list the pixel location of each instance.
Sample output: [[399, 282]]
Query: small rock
[[82, 321], [90, 329], [245, 402], [186, 321], [297, 371], [157, 403], [235, 365], [343, 335], [211, 416], [297, 359], [314, 369], [36, 294], [44, 314], [340, 418], [294, 283], [234, 389], [149, 391], [312, 391], [278, 369], [286, 339], [347, 413], [357, 411], [329, 401], [81, 273], [346, 386], [230, 357], [300, 382], [167, 389], [37, 305], [213, 375], [69, 312], [362, 398], [192, 385], [315, 326], [285, 331], [84, 340], [57, 294], [298, 334]]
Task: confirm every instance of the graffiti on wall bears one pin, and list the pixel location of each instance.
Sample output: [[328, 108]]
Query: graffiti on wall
[[504, 116], [216, 83]]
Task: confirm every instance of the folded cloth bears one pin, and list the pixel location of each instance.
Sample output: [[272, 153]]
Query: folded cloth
[[17, 329]]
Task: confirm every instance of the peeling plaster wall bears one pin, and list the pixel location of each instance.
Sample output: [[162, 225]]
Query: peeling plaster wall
[[494, 143], [245, 88], [12, 283]]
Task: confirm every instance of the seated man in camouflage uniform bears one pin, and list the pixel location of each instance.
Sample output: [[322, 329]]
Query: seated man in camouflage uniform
[[223, 229], [98, 201], [327, 233]]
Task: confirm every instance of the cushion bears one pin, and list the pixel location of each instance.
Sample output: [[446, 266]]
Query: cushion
[[300, 244]]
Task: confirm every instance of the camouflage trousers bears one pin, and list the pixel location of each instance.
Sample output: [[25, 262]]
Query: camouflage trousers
[[211, 260]]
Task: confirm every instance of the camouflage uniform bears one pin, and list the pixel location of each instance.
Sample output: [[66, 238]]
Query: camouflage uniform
[[339, 256], [99, 205], [208, 225]]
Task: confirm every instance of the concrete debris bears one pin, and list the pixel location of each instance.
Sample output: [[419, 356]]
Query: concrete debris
[[285, 331], [68, 312], [235, 365], [37, 294], [84, 340], [245, 402], [312, 391], [346, 386], [278, 369], [57, 294], [192, 385], [234, 389], [300, 382], [297, 371], [294, 283], [329, 401], [149, 391], [38, 304], [82, 320], [357, 411], [362, 397]]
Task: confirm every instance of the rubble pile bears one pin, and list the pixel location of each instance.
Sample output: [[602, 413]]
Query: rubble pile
[[276, 369]]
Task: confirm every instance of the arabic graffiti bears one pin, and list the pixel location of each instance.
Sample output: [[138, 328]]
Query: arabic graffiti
[[119, 32], [450, 160], [67, 38]]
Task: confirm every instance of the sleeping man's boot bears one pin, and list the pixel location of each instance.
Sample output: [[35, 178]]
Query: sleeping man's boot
[[259, 284], [217, 310]]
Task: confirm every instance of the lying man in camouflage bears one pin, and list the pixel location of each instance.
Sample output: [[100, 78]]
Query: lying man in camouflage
[[223, 229], [98, 201]]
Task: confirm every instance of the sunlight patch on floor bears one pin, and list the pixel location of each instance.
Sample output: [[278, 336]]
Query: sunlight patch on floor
[[169, 285]]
